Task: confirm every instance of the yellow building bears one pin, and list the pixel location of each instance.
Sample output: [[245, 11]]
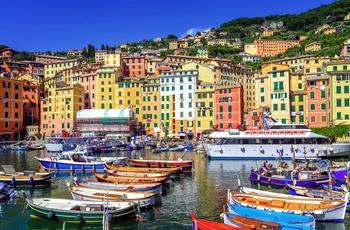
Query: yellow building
[[128, 95], [150, 107], [315, 46], [105, 87], [251, 48], [205, 114], [298, 96], [202, 54], [173, 45], [59, 110], [205, 73], [338, 74], [112, 60], [53, 68], [279, 91]]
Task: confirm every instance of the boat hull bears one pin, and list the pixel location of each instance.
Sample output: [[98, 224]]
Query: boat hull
[[186, 165], [93, 212], [26, 181], [281, 180], [71, 166]]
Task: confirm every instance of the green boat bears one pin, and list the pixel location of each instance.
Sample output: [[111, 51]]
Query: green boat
[[76, 211]]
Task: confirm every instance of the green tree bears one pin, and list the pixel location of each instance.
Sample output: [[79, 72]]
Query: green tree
[[102, 47], [171, 37]]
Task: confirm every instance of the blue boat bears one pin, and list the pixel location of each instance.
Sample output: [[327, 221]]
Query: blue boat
[[281, 218], [72, 161]]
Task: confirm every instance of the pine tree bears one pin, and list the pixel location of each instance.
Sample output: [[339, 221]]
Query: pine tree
[[102, 47]]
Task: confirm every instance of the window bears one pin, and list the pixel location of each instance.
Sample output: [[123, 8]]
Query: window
[[338, 89], [338, 115], [312, 107], [301, 108], [274, 75], [323, 94], [346, 89], [262, 99], [313, 119], [283, 107], [275, 107], [301, 98], [300, 85], [261, 90], [323, 106], [334, 67], [281, 74], [338, 102], [346, 102], [312, 95]]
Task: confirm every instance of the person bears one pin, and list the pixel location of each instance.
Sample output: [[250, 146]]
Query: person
[[75, 178]]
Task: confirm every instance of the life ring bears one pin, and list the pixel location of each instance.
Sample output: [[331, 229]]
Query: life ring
[[52, 158]]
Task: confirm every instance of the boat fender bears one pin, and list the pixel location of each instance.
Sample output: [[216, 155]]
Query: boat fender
[[79, 217], [159, 165], [13, 181], [269, 180], [52, 158], [50, 214], [31, 181], [259, 177]]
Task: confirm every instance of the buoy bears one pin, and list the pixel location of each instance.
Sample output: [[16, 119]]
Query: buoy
[[52, 158], [13, 181], [31, 181], [50, 214]]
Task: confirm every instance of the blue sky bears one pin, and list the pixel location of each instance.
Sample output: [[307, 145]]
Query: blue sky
[[38, 25]]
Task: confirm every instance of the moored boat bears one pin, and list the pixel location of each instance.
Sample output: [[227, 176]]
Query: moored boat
[[68, 210], [155, 188], [321, 210], [97, 194], [6, 191], [316, 193], [137, 174], [35, 146], [311, 180], [186, 165], [144, 170], [72, 161], [252, 223], [281, 218], [23, 179], [277, 140], [131, 180]]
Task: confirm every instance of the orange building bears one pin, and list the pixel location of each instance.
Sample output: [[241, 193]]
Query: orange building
[[8, 53], [229, 106], [134, 66], [11, 108], [273, 47], [31, 103]]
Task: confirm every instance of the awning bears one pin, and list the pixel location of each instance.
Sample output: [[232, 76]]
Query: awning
[[190, 134]]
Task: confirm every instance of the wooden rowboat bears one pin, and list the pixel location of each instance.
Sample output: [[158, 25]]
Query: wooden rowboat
[[186, 165], [210, 225], [136, 174], [321, 210], [143, 170], [130, 180], [95, 194], [25, 178], [155, 188], [243, 222], [73, 211]]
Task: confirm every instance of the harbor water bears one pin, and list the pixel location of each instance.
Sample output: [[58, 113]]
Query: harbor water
[[203, 191]]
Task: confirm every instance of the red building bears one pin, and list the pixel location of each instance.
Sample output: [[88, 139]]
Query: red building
[[134, 66], [8, 53], [31, 102], [229, 107]]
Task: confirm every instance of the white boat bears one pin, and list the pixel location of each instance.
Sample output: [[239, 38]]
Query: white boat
[[62, 144], [98, 194], [320, 209], [151, 187], [35, 146], [277, 140]]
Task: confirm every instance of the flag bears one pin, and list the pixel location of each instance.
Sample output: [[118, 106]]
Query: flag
[[4, 100]]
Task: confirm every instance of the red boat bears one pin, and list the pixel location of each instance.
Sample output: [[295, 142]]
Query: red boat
[[185, 165], [210, 225]]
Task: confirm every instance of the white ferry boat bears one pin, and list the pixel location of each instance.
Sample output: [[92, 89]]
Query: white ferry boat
[[277, 140]]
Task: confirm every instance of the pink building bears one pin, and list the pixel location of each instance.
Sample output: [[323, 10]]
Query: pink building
[[317, 100], [134, 66], [345, 49], [49, 58], [31, 102], [229, 106]]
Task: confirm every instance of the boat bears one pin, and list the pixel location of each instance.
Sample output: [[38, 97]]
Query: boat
[[265, 215], [131, 180], [35, 146], [321, 210], [62, 144], [97, 194], [6, 191], [306, 179], [243, 222], [76, 211], [16, 147], [137, 174], [23, 179], [144, 170], [198, 224], [157, 150], [186, 165], [276, 140], [155, 188], [316, 193], [118, 161], [77, 160], [176, 148]]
